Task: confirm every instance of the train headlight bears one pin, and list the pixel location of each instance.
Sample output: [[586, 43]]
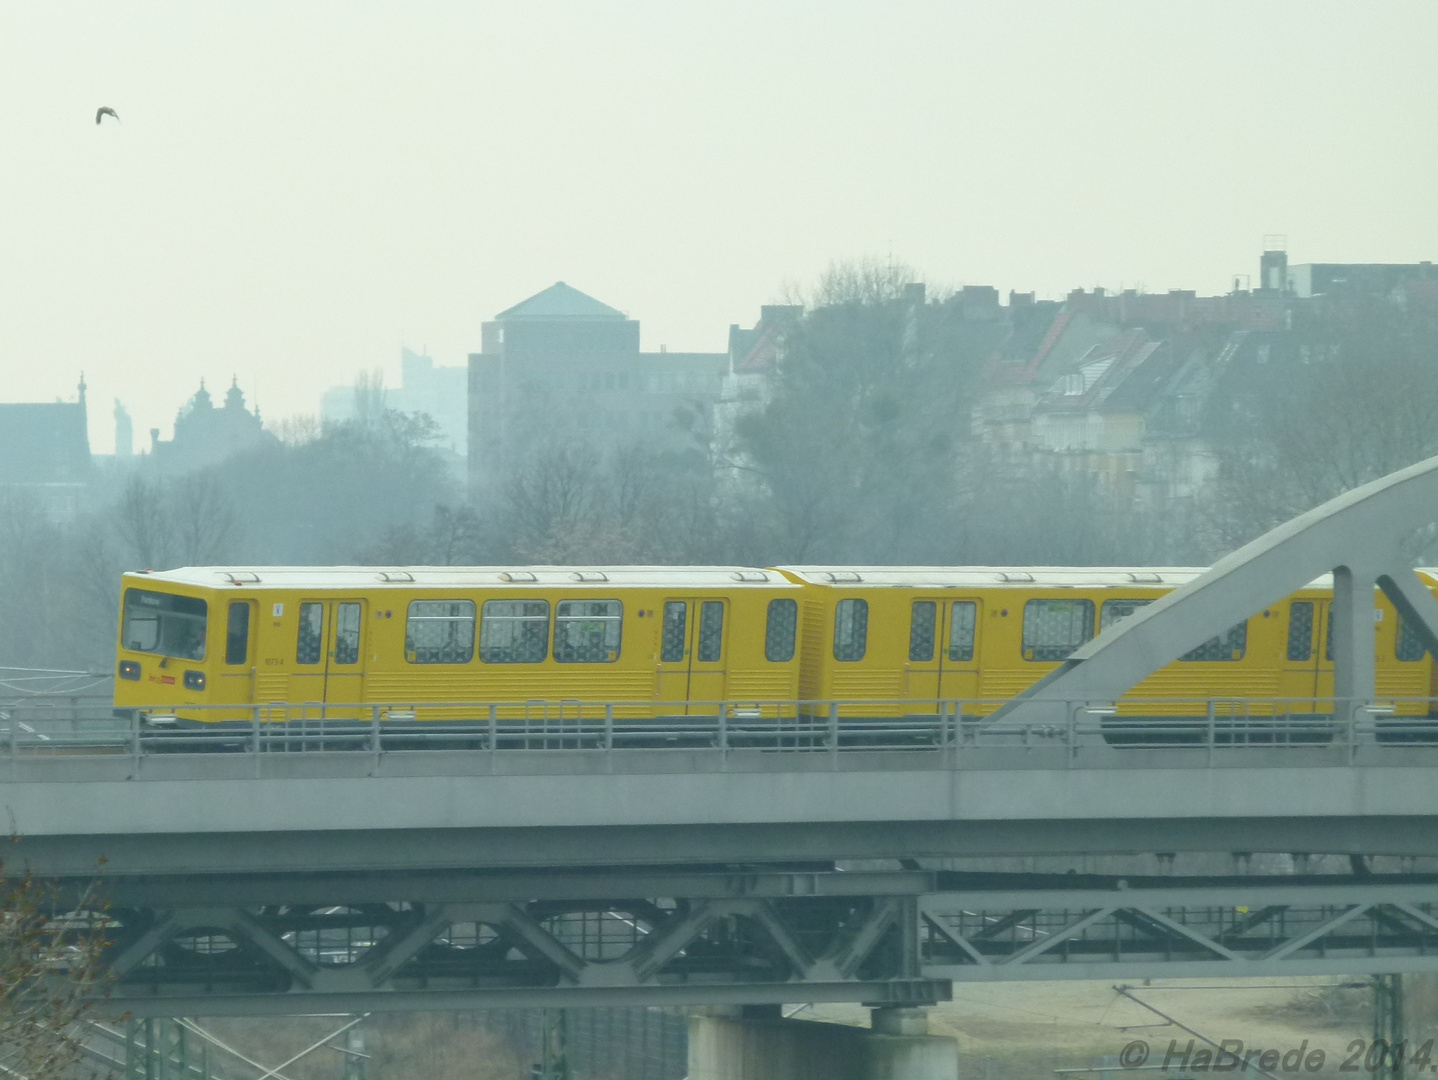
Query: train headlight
[[130, 669], [194, 680]]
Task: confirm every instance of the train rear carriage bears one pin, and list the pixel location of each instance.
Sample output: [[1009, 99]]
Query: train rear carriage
[[424, 642], [903, 641]]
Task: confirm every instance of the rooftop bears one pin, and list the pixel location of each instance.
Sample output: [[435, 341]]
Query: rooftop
[[560, 301], [43, 443], [678, 578]]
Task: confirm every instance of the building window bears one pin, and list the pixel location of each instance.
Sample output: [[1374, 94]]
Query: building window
[[711, 631], [514, 631], [780, 630], [1055, 628], [164, 623], [963, 628], [1408, 646], [922, 621], [440, 632], [676, 623], [1114, 611], [587, 631], [237, 632], [310, 641], [1229, 646], [1300, 630], [347, 633], [851, 629]]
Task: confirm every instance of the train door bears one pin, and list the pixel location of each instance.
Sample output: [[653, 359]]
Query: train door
[[924, 671], [943, 654], [1323, 661], [1298, 662], [691, 653], [329, 646], [960, 657], [237, 677]]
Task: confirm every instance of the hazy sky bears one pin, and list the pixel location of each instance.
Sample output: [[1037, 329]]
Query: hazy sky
[[299, 189]]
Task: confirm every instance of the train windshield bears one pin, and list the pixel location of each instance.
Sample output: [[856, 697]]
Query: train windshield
[[163, 623]]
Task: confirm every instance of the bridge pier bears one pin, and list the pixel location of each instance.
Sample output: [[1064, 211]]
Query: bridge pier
[[896, 1047]]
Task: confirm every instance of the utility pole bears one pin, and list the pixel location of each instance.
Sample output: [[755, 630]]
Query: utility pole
[[1388, 1027], [553, 1047], [355, 1057]]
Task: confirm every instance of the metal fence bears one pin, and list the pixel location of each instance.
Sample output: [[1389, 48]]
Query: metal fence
[[71, 725]]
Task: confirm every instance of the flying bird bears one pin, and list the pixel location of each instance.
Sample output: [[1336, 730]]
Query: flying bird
[[104, 111]]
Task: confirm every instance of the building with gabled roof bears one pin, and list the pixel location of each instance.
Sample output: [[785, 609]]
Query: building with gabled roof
[[563, 367], [45, 453]]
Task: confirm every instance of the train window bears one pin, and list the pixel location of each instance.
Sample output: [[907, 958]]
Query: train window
[[514, 631], [780, 631], [164, 623], [922, 621], [851, 629], [711, 631], [439, 632], [587, 631], [1408, 646], [963, 620], [310, 641], [676, 622], [1300, 630], [1229, 646], [1113, 611], [237, 632], [347, 633], [1055, 628]]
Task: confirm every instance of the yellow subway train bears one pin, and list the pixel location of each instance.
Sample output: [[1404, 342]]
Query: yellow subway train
[[429, 643]]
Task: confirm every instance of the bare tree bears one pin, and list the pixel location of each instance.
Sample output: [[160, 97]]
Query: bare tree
[[204, 523], [552, 495], [856, 450], [139, 522], [456, 537], [370, 397], [867, 280], [50, 975], [1359, 401]]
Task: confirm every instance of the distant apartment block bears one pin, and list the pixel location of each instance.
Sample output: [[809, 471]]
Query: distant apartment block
[[562, 367], [1379, 279], [425, 387]]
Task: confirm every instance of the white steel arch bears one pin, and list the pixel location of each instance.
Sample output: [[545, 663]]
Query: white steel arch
[[1357, 536]]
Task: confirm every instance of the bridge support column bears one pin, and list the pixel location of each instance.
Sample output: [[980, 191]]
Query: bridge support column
[[1353, 639], [897, 1047]]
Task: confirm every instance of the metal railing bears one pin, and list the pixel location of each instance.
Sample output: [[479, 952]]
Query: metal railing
[[1215, 726]]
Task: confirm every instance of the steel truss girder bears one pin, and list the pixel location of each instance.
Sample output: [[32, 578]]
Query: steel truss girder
[[751, 937], [506, 940], [1177, 929]]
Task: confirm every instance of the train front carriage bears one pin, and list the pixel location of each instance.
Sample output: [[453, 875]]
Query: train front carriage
[[553, 645]]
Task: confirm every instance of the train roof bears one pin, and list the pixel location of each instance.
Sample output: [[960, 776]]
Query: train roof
[[467, 577], [689, 577], [998, 577]]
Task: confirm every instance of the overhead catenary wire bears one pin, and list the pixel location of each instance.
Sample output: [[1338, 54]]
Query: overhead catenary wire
[[1124, 990]]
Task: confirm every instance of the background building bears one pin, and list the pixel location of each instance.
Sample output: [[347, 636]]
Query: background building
[[1377, 279], [425, 387], [45, 454], [206, 435], [562, 367]]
